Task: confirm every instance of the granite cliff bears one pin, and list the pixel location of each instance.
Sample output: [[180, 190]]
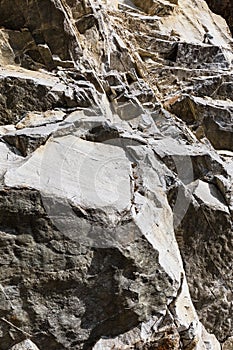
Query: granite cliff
[[116, 167]]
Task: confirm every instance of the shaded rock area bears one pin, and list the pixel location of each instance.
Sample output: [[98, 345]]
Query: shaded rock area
[[116, 172], [223, 8]]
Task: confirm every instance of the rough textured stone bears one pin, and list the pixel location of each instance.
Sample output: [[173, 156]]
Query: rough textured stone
[[223, 8], [228, 344], [159, 8], [208, 118], [25, 345], [116, 172]]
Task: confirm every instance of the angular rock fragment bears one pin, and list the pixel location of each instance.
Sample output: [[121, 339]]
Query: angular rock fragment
[[214, 118], [34, 118], [28, 140]]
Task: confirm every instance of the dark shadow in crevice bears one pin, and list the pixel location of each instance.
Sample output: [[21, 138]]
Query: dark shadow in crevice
[[172, 54]]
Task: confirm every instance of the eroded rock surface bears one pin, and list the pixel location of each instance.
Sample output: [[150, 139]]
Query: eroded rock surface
[[116, 172]]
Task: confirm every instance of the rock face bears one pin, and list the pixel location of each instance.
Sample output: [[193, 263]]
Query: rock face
[[116, 170], [223, 8]]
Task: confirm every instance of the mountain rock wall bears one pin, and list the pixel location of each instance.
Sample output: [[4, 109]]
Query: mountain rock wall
[[116, 172], [223, 8]]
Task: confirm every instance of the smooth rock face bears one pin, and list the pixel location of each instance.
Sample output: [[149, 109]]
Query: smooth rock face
[[116, 172], [68, 161]]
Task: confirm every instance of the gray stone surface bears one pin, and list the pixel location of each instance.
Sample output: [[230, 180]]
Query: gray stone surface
[[116, 172]]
